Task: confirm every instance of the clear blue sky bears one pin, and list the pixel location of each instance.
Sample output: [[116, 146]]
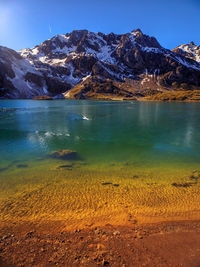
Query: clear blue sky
[[25, 23]]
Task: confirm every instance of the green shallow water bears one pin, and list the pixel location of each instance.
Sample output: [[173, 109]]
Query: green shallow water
[[137, 148]]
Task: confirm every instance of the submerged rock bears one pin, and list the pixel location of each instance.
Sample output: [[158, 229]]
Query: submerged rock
[[109, 183], [65, 166], [64, 154], [182, 184], [195, 175], [22, 165]]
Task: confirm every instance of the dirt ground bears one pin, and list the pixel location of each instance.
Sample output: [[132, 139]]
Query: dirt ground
[[50, 244]]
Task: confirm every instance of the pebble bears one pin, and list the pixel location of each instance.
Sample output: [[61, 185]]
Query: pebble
[[116, 233], [30, 234], [105, 263]]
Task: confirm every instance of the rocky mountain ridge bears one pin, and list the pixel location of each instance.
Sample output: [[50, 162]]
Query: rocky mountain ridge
[[84, 64]]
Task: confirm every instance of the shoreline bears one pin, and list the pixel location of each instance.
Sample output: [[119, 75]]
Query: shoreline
[[169, 243], [84, 224], [107, 100], [168, 97]]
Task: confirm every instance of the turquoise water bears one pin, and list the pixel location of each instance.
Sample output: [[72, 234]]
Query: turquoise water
[[142, 132], [136, 160]]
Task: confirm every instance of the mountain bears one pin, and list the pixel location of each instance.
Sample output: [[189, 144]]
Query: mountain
[[189, 50], [83, 64]]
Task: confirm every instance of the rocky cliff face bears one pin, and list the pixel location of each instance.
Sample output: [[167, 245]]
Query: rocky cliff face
[[84, 64]]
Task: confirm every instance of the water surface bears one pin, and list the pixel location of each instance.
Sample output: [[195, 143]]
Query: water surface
[[130, 154]]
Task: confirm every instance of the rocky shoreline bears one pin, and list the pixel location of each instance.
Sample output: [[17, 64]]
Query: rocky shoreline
[[174, 244], [167, 96]]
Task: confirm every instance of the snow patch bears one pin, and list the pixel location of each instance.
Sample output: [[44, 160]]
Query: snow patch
[[86, 77], [187, 64], [71, 79], [26, 88], [65, 50], [35, 51], [151, 49]]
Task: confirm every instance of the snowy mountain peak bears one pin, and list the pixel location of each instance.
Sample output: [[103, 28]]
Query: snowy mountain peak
[[137, 32]]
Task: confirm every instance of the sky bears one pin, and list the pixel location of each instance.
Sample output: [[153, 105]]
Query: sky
[[26, 23]]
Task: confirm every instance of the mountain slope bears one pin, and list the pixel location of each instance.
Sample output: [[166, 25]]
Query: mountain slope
[[18, 78], [21, 79], [84, 64]]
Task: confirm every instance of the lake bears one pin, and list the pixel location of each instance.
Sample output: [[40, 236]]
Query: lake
[[136, 161]]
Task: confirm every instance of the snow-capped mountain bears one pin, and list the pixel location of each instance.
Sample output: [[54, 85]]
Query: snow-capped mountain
[[84, 64], [189, 50]]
